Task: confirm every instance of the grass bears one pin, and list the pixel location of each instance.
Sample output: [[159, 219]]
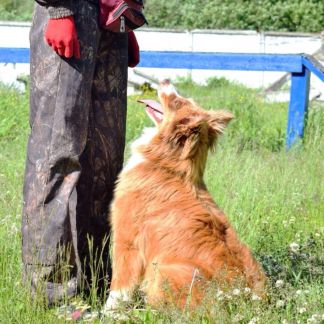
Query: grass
[[274, 199]]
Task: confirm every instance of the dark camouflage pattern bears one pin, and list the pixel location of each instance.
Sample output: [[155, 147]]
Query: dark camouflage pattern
[[75, 151]]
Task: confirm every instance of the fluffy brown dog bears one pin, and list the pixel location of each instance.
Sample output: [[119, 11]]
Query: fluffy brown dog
[[169, 237]]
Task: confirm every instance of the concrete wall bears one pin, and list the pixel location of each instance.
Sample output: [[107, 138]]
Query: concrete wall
[[17, 35]]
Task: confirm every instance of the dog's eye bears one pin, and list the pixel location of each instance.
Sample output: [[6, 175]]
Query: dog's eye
[[184, 121], [177, 103]]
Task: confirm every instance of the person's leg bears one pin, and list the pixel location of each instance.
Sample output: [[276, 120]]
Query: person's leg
[[103, 157], [60, 99]]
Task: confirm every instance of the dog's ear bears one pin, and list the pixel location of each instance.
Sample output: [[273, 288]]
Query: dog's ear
[[187, 135], [218, 120]]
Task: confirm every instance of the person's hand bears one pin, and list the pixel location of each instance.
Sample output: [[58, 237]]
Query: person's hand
[[61, 35], [133, 50]]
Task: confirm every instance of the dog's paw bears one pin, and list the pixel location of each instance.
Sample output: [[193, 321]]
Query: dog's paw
[[116, 299]]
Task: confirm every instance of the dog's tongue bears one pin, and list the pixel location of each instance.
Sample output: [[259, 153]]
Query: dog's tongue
[[153, 109]]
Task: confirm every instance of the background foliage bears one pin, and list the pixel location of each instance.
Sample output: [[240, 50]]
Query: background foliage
[[16, 10], [273, 15], [265, 15]]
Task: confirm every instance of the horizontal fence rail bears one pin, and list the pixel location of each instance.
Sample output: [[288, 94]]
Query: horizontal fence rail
[[299, 65], [222, 61], [14, 55]]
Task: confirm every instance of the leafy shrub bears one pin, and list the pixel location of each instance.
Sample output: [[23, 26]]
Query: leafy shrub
[[266, 15], [274, 15], [16, 10]]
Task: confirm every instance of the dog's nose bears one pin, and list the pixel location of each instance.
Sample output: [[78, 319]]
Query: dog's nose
[[165, 82], [167, 88]]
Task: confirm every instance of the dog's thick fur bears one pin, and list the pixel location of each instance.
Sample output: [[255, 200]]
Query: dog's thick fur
[[169, 236]]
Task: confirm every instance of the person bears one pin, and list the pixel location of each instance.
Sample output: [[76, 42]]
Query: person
[[78, 89]]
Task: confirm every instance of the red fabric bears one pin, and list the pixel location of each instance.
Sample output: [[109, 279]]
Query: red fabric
[[133, 50], [61, 35]]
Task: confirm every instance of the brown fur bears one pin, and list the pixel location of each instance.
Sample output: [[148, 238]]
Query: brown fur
[[169, 236]]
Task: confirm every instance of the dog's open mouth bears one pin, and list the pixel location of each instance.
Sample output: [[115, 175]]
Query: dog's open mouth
[[154, 110]]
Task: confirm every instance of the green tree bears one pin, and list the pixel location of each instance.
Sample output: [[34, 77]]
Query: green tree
[[266, 15], [16, 10]]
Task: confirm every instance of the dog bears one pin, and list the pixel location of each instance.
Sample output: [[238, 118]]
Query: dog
[[168, 235]]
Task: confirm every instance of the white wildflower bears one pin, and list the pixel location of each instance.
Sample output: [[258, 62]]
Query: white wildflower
[[247, 290], [255, 297], [279, 283], [228, 296], [294, 247], [280, 303], [254, 320], [238, 318], [315, 319], [299, 292], [302, 310], [236, 292], [220, 295]]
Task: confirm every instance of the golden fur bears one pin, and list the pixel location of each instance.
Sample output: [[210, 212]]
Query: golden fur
[[169, 236]]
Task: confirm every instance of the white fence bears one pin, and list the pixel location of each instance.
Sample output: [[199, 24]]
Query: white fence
[[17, 35]]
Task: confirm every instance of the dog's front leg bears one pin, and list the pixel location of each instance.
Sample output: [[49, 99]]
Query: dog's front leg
[[127, 274]]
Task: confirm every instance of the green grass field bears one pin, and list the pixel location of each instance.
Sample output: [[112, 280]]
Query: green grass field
[[274, 199]]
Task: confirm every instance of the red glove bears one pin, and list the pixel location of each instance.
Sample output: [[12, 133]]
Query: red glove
[[133, 50], [62, 36]]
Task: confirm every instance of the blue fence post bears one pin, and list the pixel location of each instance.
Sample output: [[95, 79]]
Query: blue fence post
[[298, 106]]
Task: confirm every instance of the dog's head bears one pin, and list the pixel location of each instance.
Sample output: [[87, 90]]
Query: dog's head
[[185, 131], [188, 126]]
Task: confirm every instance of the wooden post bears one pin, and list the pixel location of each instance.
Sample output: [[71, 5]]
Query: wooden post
[[298, 106]]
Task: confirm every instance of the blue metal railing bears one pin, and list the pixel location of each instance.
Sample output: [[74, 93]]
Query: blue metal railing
[[299, 65]]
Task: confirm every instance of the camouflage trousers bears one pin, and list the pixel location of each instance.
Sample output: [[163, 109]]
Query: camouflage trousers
[[75, 151]]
